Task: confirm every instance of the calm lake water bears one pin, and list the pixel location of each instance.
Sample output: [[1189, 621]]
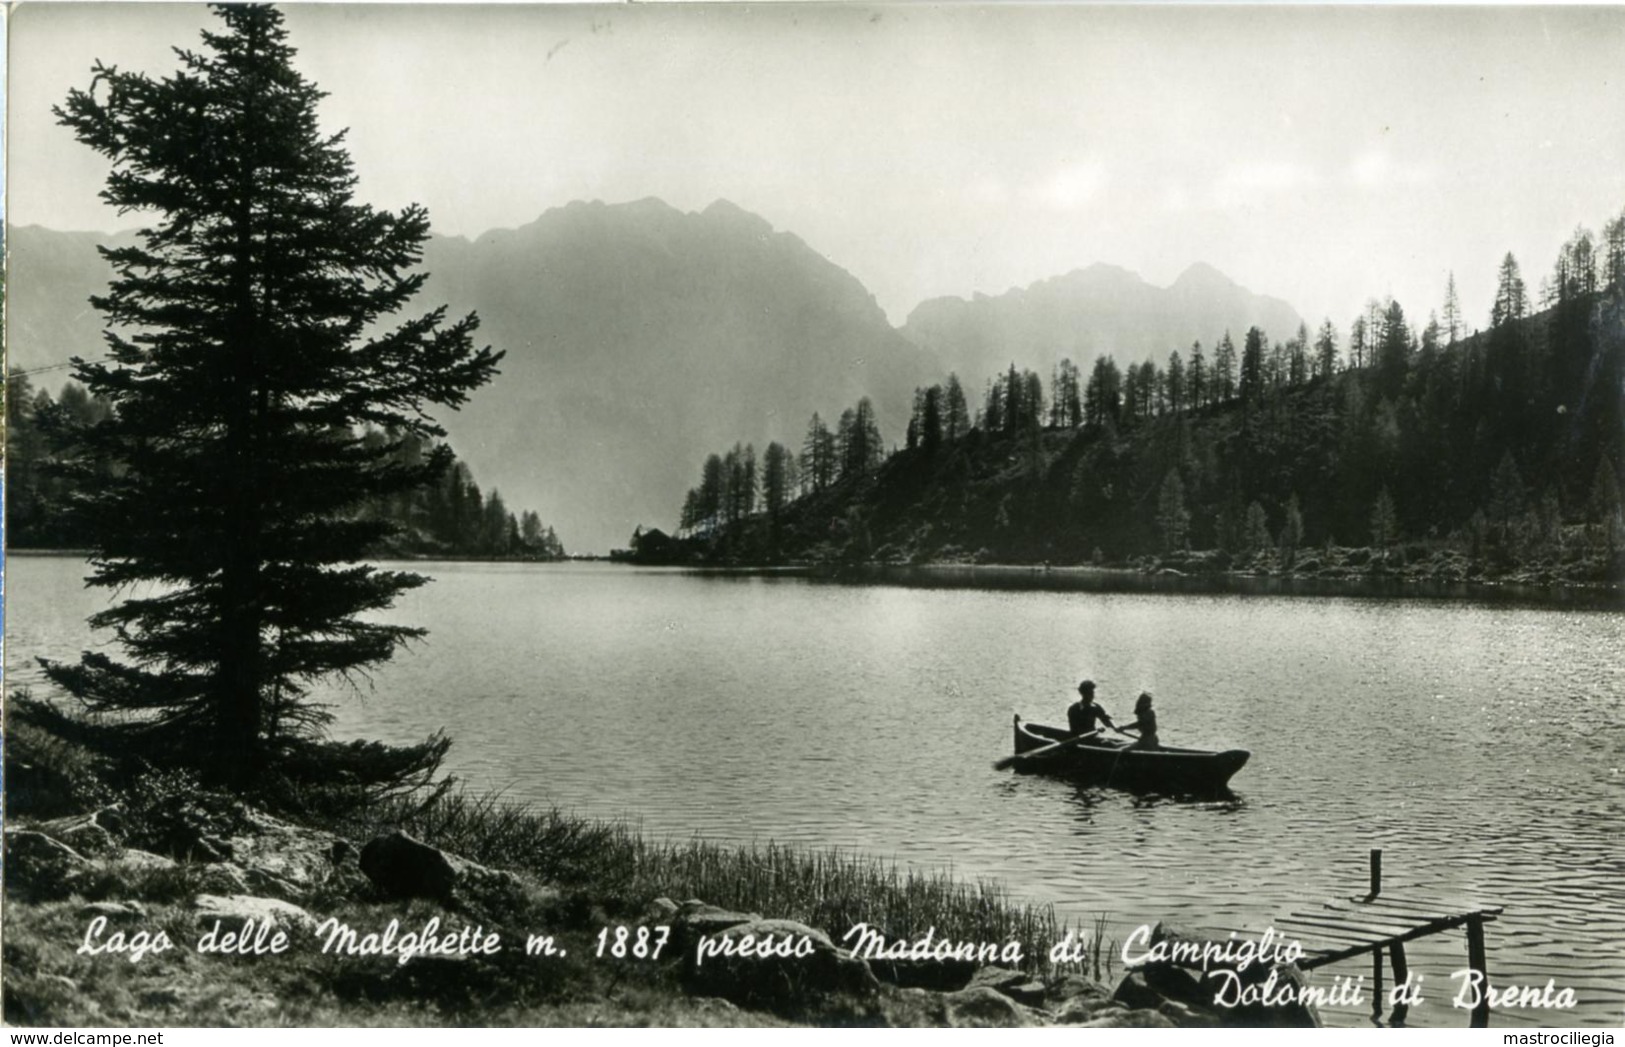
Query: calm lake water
[[1481, 746]]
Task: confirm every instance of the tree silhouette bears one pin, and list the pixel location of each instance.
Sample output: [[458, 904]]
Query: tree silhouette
[[777, 465], [957, 423], [1511, 301], [1198, 380], [1176, 382], [1384, 521], [259, 295], [1252, 367], [1326, 350], [1224, 370], [1613, 252], [1173, 519], [1102, 393], [1291, 532], [818, 455], [1452, 311]]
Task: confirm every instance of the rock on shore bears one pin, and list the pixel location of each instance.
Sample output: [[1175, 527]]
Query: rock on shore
[[236, 868]]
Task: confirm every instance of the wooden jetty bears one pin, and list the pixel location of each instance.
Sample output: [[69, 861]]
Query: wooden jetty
[[1343, 929], [1378, 924]]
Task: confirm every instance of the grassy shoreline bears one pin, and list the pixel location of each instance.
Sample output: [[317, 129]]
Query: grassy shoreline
[[579, 875]]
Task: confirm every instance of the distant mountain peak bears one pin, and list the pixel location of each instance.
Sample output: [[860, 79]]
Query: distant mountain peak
[[1098, 273], [1202, 275], [723, 206], [720, 210]]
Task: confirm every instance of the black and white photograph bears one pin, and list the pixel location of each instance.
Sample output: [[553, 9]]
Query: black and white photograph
[[820, 514]]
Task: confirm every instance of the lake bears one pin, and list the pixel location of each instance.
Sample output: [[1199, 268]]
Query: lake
[[1480, 745]]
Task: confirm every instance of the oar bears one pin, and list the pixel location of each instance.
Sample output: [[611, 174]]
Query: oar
[[1008, 761]]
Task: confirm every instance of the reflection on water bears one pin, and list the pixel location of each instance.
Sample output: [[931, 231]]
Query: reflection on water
[[1042, 578], [1479, 745]]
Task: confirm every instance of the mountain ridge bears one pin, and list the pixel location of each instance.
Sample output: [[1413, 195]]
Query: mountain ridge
[[640, 338], [1095, 310]]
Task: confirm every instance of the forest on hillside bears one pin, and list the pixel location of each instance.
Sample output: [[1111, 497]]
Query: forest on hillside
[[449, 518], [1480, 455]]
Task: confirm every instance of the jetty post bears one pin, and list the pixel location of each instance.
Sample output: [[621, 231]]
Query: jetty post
[[1402, 973], [1480, 967]]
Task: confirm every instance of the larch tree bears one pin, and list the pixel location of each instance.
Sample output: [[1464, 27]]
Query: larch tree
[[1511, 299], [931, 419], [866, 449], [818, 458], [957, 421], [1391, 355], [1452, 311], [248, 347], [1613, 252], [1291, 539], [1102, 394], [1173, 518], [1358, 343], [1256, 529], [1384, 521], [777, 464], [1252, 367], [1224, 370], [1326, 350], [1176, 382], [1298, 357], [1198, 380]]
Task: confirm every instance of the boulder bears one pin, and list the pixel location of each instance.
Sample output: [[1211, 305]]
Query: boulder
[[133, 860], [1077, 986], [234, 910], [746, 964], [941, 975], [978, 1008], [1133, 992], [661, 911], [1119, 1019], [912, 1008], [1083, 1009], [695, 919], [403, 867], [284, 860], [39, 865], [985, 1008], [112, 910], [1020, 987], [1076, 999], [92, 835], [222, 878], [1289, 984], [1185, 1016], [1186, 996]]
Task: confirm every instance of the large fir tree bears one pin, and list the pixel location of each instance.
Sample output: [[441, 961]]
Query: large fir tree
[[253, 351]]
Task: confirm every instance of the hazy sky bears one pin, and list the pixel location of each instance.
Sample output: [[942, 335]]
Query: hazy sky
[[1321, 155]]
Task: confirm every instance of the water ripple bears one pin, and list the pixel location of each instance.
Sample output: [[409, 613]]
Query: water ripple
[[1480, 746]]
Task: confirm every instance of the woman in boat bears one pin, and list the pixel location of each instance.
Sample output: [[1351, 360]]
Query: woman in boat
[[1083, 715], [1145, 724]]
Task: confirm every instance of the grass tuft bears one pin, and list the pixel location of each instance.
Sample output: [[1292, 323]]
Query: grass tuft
[[829, 889]]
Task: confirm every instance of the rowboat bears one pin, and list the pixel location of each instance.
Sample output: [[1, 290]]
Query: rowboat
[[1097, 762]]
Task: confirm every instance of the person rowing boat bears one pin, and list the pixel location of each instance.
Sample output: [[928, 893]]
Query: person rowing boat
[[1085, 716]]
